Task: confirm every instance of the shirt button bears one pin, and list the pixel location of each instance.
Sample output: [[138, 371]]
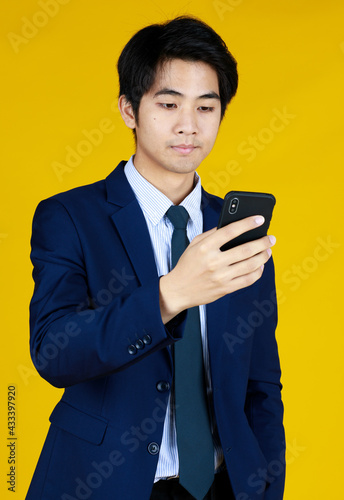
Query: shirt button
[[147, 339], [139, 344], [163, 386], [153, 448], [132, 349]]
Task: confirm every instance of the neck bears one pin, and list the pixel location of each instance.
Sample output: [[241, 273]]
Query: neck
[[176, 186]]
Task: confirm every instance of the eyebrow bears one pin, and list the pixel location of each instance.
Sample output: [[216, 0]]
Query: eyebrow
[[166, 91]]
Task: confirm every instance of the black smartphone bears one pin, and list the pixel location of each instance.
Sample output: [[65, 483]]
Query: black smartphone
[[238, 205]]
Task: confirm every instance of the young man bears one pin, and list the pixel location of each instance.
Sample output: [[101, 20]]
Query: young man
[[172, 385]]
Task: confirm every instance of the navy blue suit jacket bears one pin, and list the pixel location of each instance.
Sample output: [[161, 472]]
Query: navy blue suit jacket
[[96, 330]]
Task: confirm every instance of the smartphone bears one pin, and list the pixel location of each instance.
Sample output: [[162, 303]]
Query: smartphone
[[238, 205]]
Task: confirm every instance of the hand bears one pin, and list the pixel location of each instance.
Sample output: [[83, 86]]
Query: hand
[[204, 273]]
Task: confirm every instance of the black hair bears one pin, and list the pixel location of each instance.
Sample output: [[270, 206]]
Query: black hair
[[186, 38]]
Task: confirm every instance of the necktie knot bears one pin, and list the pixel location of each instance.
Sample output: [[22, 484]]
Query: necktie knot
[[179, 216]]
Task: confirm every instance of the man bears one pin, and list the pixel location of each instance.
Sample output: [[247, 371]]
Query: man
[[172, 385]]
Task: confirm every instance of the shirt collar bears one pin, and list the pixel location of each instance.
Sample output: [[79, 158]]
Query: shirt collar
[[153, 202]]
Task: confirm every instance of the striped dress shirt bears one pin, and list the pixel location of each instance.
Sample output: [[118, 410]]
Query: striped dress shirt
[[154, 205]]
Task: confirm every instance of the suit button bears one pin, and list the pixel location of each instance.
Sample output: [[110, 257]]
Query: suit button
[[139, 344], [163, 386], [147, 339], [132, 349], [153, 448]]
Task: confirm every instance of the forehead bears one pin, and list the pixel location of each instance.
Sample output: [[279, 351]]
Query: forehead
[[187, 77]]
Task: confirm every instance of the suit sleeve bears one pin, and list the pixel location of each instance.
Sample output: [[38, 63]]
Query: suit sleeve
[[264, 407], [71, 342]]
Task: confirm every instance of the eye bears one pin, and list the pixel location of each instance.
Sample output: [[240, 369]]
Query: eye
[[206, 109], [167, 105]]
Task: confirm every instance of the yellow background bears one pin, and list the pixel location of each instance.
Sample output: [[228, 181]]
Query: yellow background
[[61, 80]]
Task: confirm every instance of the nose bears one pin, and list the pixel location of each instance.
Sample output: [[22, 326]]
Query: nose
[[186, 122]]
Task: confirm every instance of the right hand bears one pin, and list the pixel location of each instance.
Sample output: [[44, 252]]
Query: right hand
[[204, 273]]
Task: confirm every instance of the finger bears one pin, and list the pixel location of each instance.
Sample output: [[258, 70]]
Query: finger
[[202, 236], [248, 250], [246, 279], [248, 266], [234, 229]]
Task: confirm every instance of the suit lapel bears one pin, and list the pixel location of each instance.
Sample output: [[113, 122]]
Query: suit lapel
[[131, 224]]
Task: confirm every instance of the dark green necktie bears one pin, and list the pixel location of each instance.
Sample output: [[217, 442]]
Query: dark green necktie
[[194, 438]]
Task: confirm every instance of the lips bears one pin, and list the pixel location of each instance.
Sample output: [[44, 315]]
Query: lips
[[184, 148]]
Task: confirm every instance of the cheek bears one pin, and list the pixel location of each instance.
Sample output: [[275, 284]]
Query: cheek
[[153, 133], [216, 128], [210, 127], [157, 130], [154, 124], [211, 133]]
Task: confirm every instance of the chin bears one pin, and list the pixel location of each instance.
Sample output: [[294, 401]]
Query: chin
[[186, 165], [184, 169]]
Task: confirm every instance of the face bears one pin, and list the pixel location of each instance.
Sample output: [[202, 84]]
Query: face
[[178, 120]]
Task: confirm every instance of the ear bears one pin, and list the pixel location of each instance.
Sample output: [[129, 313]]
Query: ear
[[127, 113]]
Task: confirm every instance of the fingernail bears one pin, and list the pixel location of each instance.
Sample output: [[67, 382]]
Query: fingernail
[[272, 240], [259, 220], [269, 252]]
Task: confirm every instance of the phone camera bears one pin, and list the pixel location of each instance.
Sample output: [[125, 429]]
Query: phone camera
[[233, 206]]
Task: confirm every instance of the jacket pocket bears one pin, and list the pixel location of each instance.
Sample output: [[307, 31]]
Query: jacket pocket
[[91, 428]]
